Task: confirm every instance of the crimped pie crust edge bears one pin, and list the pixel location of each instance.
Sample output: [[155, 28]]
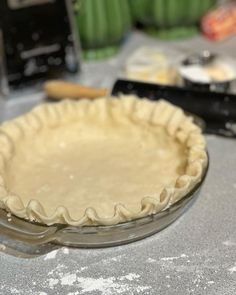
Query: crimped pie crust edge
[[160, 113]]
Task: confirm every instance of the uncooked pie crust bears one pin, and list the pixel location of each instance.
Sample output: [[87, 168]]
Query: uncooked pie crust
[[98, 162]]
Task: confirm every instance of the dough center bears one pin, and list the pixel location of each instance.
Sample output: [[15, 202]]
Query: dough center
[[96, 172]]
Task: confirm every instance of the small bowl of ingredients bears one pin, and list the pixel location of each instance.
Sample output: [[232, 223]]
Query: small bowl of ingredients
[[208, 71]]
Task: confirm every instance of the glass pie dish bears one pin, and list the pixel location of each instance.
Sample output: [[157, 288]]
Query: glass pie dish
[[96, 236]]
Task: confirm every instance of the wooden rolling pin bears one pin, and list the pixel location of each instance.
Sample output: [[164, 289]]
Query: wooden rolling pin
[[58, 90]]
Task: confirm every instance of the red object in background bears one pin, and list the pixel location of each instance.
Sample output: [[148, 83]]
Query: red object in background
[[220, 23]]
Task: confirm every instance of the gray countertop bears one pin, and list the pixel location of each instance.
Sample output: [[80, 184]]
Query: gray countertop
[[195, 255]]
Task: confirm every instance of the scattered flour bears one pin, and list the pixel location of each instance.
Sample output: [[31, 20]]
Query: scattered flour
[[68, 279], [91, 284], [108, 286], [52, 282], [51, 255], [14, 291], [130, 277], [55, 270], [173, 258], [65, 250], [232, 269], [125, 284], [83, 268], [229, 243], [151, 260]]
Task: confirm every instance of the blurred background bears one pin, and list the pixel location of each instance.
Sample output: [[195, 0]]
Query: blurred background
[[180, 43]]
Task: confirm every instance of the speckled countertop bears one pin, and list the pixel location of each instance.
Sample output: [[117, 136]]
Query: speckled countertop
[[195, 255]]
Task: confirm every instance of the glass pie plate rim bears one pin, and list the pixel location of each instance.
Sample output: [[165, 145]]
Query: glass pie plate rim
[[97, 236]]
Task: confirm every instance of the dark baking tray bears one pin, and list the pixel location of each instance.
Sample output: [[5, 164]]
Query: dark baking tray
[[218, 110]]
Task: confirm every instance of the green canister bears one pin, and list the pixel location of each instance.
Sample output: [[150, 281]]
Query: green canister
[[170, 18], [102, 25]]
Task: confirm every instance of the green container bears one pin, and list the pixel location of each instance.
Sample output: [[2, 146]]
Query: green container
[[170, 18], [102, 24]]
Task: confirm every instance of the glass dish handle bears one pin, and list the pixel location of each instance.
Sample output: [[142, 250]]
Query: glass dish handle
[[16, 228]]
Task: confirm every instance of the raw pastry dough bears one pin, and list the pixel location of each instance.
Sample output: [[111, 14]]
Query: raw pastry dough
[[98, 162]]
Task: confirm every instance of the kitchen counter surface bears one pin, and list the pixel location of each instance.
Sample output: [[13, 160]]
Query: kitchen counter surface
[[195, 255]]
